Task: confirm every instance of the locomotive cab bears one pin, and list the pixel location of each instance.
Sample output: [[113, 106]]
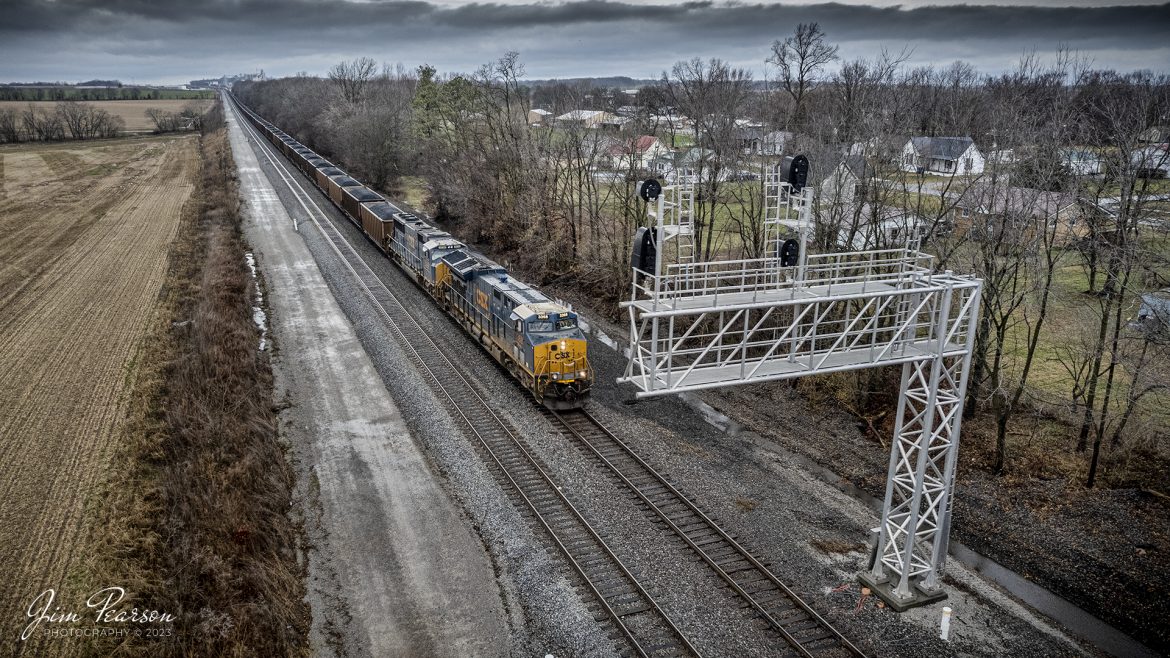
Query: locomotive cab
[[556, 353]]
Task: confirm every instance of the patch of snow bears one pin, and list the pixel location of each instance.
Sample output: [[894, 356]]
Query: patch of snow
[[258, 315]]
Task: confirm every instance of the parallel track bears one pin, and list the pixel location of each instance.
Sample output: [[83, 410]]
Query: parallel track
[[790, 617], [644, 625]]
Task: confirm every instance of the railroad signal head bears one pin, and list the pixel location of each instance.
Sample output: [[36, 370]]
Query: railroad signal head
[[645, 250], [794, 171], [649, 189], [789, 253]]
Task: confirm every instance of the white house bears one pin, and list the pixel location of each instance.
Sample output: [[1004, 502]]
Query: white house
[[1155, 135], [643, 152], [774, 142], [942, 155], [583, 118], [538, 117], [848, 181], [1154, 314], [892, 228], [1152, 161], [1082, 162]]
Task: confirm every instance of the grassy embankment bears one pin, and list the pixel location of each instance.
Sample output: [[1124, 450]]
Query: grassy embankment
[[199, 524]]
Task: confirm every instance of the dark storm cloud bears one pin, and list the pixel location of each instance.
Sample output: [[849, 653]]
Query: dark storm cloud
[[588, 36]]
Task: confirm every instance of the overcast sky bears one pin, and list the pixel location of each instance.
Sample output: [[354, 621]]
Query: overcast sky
[[173, 41]]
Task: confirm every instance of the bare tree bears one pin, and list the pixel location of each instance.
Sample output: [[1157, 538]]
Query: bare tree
[[800, 58], [712, 95], [352, 77], [41, 125], [9, 125], [1123, 107]]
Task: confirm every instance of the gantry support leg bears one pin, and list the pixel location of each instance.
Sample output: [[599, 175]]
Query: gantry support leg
[[912, 539]]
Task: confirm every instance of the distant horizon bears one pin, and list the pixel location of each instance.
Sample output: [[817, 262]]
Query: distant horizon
[[175, 82]]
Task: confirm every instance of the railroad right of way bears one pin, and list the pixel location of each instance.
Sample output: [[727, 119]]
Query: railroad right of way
[[689, 590]]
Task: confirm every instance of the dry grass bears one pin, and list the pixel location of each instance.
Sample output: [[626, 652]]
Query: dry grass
[[208, 488], [837, 546], [132, 112]]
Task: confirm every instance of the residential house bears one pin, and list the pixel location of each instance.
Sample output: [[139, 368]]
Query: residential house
[[749, 139], [1154, 314], [672, 164], [538, 117], [984, 208], [1152, 161], [1002, 157], [641, 153], [868, 226], [871, 146], [850, 181], [582, 118], [942, 155], [775, 142], [615, 123], [1082, 162]]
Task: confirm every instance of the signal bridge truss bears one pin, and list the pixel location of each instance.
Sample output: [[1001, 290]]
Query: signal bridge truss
[[699, 325]]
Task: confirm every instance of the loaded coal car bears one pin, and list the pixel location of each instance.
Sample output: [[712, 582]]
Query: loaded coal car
[[352, 199], [313, 164], [323, 174], [334, 185], [378, 222]]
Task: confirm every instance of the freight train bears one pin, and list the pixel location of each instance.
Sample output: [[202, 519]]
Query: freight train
[[536, 339]]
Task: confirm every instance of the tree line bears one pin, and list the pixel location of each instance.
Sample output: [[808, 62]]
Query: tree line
[[109, 92], [66, 120], [559, 202]]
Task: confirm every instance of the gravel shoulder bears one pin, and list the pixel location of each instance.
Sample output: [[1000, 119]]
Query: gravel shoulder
[[394, 567]]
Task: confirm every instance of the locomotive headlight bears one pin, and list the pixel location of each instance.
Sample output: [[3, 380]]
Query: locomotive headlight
[[563, 345], [582, 374]]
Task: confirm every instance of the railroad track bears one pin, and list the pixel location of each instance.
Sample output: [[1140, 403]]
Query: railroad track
[[787, 615], [620, 597]]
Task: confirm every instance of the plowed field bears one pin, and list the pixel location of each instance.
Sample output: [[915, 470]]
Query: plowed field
[[84, 231]]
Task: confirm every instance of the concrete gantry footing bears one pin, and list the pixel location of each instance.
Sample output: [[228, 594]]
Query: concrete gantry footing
[[884, 590]]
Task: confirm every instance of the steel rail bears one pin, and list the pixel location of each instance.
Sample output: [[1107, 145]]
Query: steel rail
[[801, 626], [621, 596]]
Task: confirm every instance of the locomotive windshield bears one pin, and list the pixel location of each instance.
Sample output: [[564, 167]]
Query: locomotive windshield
[[550, 326]]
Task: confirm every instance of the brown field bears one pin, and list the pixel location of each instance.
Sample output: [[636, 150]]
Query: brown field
[[84, 234], [132, 112]]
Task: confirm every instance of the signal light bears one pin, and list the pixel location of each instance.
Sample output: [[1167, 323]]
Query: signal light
[[649, 189], [644, 252], [789, 253], [794, 171]]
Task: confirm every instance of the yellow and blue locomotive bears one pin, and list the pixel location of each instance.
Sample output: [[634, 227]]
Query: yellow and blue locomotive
[[536, 339]]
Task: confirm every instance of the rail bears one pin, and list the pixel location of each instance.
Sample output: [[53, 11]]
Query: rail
[[786, 613], [638, 617]]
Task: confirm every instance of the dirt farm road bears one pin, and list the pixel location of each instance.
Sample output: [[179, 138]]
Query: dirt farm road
[[393, 567], [83, 254]]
